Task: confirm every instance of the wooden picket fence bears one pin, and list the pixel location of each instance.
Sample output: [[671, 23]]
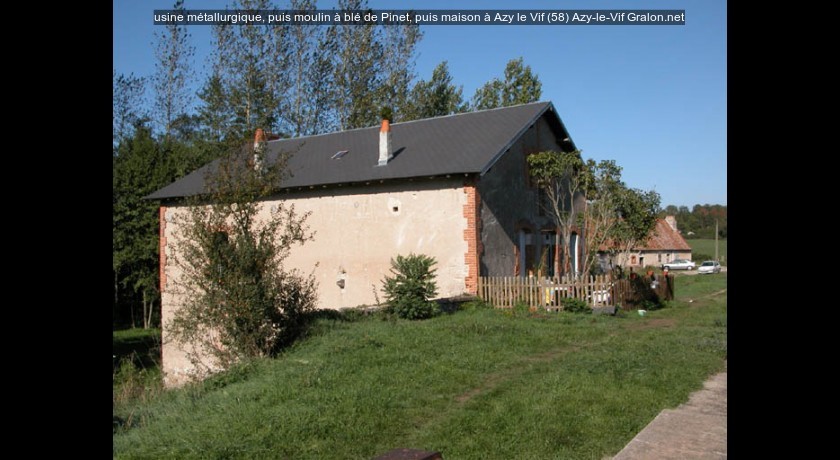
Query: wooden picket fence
[[597, 291]]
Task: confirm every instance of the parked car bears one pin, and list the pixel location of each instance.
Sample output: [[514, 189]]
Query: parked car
[[709, 266], [678, 264]]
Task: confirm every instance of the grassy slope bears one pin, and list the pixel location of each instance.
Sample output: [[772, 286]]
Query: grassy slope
[[477, 384], [707, 247]]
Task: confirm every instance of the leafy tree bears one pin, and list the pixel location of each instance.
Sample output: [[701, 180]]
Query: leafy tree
[[603, 190], [357, 70], [436, 97], [172, 73], [250, 65], [520, 86], [638, 211], [489, 96], [612, 215], [372, 66], [300, 103], [304, 79], [399, 48], [563, 176], [139, 169], [410, 290], [240, 301], [215, 115], [320, 116], [128, 105]]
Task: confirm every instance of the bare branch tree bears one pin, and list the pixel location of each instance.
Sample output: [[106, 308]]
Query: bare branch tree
[[563, 177]]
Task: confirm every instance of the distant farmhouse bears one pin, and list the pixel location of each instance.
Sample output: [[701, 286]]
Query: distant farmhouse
[[455, 188], [664, 244]]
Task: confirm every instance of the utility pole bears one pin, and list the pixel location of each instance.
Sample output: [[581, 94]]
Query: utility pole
[[716, 240]]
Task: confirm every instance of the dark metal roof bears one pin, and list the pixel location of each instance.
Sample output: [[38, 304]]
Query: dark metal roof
[[455, 144]]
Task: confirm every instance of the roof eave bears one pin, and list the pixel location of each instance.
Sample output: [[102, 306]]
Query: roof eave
[[549, 107]]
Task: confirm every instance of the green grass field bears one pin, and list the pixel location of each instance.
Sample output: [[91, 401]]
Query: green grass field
[[708, 247], [478, 384]]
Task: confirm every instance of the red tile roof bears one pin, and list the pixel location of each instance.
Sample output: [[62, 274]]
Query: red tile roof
[[663, 237]]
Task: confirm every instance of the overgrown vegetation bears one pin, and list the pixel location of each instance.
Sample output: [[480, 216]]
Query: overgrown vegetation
[[411, 288], [474, 384], [573, 305], [651, 304], [133, 382], [136, 375], [241, 301]]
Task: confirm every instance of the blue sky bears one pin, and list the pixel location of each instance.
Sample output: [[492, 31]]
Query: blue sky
[[653, 98]]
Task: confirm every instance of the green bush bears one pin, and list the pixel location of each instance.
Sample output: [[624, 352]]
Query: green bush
[[410, 290], [239, 301], [573, 305], [650, 304]]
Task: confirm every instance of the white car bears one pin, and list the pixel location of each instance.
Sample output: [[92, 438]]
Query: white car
[[678, 264], [709, 266]]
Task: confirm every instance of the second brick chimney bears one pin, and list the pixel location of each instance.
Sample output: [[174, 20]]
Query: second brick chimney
[[385, 143]]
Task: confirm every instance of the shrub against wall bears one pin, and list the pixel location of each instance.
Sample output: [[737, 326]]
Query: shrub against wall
[[410, 290], [240, 300]]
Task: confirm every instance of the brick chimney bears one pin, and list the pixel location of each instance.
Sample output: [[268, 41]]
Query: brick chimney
[[385, 143], [259, 148], [672, 221]]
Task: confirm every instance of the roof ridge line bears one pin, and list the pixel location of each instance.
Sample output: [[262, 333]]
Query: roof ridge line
[[469, 113], [410, 121]]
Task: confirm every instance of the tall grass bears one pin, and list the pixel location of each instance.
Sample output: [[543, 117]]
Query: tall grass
[[137, 376], [473, 384]]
